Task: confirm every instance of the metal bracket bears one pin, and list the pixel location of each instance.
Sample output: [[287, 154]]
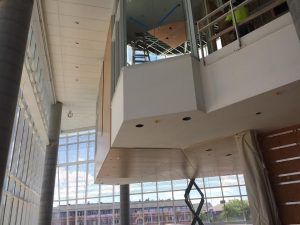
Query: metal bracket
[[196, 213]]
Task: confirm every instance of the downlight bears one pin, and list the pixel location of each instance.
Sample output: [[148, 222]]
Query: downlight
[[186, 118]]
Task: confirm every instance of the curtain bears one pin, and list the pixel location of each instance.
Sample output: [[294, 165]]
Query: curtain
[[261, 200]]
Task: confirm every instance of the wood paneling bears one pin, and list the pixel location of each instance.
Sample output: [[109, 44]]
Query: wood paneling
[[287, 193], [173, 34], [281, 151], [289, 214]]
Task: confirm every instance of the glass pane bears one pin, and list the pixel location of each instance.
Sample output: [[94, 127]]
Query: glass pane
[[63, 183], [62, 154], [135, 188], [72, 153], [241, 179], [91, 150], [106, 190], [229, 180], [83, 138], [179, 184], [72, 139], [213, 192], [149, 187], [164, 186], [212, 181], [151, 28], [136, 198], [178, 195], [165, 196], [82, 151], [72, 182], [243, 190], [231, 191], [150, 197]]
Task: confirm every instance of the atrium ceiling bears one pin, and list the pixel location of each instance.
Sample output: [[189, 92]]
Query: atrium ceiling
[[76, 36]]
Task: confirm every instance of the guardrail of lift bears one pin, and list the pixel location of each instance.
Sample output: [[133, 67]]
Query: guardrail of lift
[[262, 9]]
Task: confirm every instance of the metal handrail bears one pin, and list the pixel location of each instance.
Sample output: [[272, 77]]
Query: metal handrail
[[200, 28]]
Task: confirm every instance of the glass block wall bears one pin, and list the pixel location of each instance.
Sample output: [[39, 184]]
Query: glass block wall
[[78, 201], [22, 187]]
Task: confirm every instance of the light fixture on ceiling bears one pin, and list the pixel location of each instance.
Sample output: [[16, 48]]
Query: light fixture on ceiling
[[139, 125], [208, 150], [70, 114], [228, 155], [258, 113], [77, 22], [186, 118], [77, 43]]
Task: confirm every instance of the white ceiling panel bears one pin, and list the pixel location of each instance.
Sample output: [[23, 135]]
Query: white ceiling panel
[[76, 34]]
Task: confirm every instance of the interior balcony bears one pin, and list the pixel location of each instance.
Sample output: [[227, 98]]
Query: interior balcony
[[177, 102], [165, 116]]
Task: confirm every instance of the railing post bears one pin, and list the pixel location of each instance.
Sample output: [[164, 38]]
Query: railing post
[[235, 24], [191, 28]]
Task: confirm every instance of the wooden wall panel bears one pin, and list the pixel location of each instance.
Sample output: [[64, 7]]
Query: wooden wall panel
[[281, 151]]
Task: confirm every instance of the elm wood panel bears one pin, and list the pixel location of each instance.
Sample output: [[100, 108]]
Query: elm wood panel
[[276, 180], [282, 153], [287, 193], [281, 140], [173, 34], [289, 214], [284, 167]]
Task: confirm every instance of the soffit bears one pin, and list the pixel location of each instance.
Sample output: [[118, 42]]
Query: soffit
[[76, 35]]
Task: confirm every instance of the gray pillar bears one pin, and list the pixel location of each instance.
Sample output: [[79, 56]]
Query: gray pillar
[[15, 18], [124, 204], [46, 203], [294, 6]]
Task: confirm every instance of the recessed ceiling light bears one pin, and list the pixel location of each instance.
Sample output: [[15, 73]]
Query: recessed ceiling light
[[139, 125], [186, 118], [229, 154], [258, 113], [77, 43], [208, 150], [76, 67], [77, 22]]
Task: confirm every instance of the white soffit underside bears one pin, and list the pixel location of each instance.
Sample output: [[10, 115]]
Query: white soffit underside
[[76, 34]]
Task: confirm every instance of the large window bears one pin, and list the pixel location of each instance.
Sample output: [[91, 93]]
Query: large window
[[78, 200], [24, 171]]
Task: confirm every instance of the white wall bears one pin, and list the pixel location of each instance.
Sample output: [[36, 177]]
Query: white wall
[[269, 59]]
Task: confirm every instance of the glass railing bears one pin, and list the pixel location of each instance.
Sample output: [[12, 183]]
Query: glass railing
[[155, 30], [232, 20]]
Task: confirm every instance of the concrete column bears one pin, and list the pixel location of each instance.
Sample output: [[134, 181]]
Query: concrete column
[[15, 18], [294, 6], [46, 203], [124, 204]]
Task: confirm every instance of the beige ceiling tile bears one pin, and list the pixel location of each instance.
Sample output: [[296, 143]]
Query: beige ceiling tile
[[54, 39], [67, 32], [86, 44], [82, 60], [81, 52], [83, 23], [51, 6], [84, 11], [98, 3], [53, 30], [71, 67], [52, 19], [55, 50]]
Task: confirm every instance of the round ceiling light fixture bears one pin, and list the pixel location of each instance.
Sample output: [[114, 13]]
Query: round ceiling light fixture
[[139, 125], [70, 114]]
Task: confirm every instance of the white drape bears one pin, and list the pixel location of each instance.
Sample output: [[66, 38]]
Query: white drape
[[261, 200]]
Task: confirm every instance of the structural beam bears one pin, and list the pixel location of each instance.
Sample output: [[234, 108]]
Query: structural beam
[[15, 18], [46, 203], [294, 6], [124, 204]]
